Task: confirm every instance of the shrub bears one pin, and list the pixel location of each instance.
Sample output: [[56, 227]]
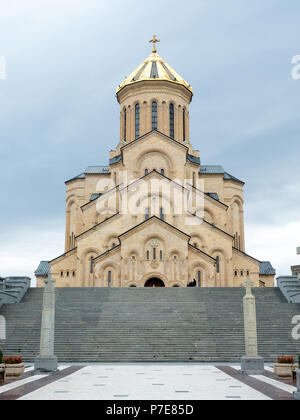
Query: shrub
[[288, 360], [12, 360], [1, 357]]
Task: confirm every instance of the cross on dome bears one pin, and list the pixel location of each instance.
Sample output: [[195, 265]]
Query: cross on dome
[[154, 41]]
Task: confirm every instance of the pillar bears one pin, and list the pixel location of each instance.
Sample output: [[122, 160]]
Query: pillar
[[251, 363], [46, 361]]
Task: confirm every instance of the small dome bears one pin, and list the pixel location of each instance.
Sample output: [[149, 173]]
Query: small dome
[[154, 68]]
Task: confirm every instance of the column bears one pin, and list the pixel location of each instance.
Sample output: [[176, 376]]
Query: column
[[180, 124], [251, 363], [46, 361]]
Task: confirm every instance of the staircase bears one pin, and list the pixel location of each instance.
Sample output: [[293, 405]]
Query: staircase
[[290, 287], [13, 289], [148, 325]]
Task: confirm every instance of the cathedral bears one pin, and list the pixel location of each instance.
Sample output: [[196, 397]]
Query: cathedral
[[156, 216]]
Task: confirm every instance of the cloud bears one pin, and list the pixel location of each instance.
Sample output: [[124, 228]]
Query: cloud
[[275, 243], [59, 114], [22, 249]]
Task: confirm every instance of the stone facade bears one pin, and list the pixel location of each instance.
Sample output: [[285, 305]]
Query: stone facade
[[155, 214]]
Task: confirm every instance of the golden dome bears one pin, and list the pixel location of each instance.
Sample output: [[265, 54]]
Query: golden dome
[[154, 68]]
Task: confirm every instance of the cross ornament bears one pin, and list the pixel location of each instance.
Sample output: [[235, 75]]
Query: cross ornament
[[248, 284], [154, 41]]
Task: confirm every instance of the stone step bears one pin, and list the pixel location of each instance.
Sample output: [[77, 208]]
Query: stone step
[[124, 325]]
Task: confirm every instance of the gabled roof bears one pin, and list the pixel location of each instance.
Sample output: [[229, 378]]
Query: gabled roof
[[211, 169], [266, 268], [158, 219], [122, 188], [95, 226], [63, 255], [228, 176], [81, 176], [94, 170], [97, 170], [131, 143], [193, 159], [211, 224], [213, 196], [218, 169], [115, 160], [107, 252], [246, 255], [202, 252], [161, 221], [43, 269]]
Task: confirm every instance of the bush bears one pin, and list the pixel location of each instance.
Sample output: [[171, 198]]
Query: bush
[[12, 360], [288, 360], [1, 357]]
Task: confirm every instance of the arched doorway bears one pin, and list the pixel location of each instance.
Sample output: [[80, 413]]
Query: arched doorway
[[154, 282]]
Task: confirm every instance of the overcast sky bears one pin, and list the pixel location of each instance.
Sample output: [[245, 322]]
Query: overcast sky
[[59, 114]]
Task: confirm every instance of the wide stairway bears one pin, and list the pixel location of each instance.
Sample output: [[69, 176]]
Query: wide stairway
[[155, 324]]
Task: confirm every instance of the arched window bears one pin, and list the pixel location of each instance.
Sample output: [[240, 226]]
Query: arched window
[[146, 171], [183, 124], [148, 255], [162, 171], [125, 124], [160, 255], [172, 121], [92, 265], [154, 115], [61, 273], [109, 279], [199, 278], [137, 121], [218, 264], [154, 253]]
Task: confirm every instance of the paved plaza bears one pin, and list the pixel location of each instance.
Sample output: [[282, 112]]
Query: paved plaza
[[147, 382]]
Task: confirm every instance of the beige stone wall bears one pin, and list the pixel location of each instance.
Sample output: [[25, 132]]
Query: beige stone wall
[[164, 94], [243, 267], [267, 280]]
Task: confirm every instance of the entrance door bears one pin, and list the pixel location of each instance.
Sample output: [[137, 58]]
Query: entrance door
[[154, 283]]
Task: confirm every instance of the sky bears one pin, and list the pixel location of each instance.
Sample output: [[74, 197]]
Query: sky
[[58, 111]]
